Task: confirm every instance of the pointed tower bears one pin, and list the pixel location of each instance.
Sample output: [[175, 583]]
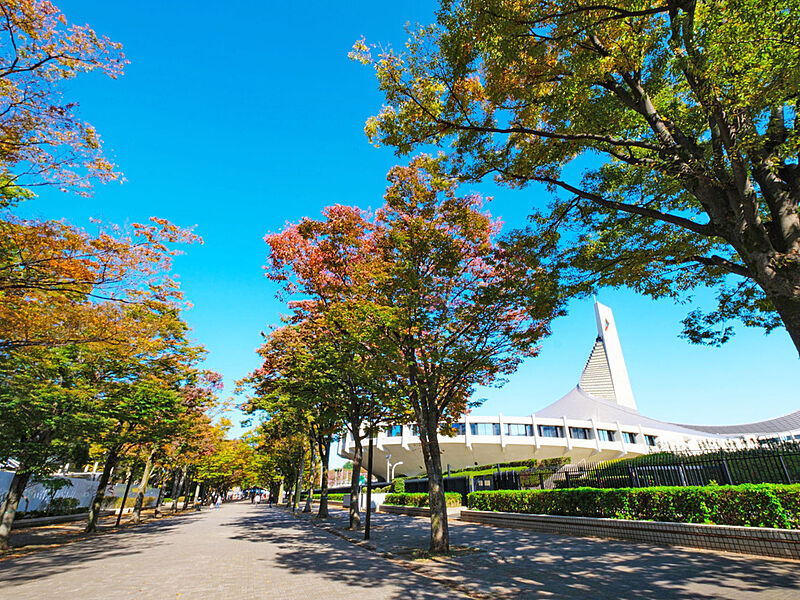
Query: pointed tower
[[605, 375]]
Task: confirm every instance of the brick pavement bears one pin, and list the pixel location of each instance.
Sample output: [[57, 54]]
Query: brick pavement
[[517, 563], [240, 552]]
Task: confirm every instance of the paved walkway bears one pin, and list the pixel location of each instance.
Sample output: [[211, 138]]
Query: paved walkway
[[240, 552], [246, 552], [516, 563]]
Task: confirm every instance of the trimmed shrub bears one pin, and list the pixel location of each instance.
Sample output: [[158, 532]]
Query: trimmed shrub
[[398, 485], [452, 499], [62, 506], [753, 505], [130, 501]]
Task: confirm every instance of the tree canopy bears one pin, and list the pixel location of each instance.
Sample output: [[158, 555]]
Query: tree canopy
[[689, 106]]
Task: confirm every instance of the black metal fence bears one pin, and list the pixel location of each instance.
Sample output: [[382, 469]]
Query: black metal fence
[[464, 484], [776, 464], [730, 467]]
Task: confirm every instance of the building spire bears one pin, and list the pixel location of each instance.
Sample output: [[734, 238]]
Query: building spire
[[607, 334]]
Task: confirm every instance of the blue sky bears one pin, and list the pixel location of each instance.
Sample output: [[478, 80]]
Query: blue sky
[[238, 117]]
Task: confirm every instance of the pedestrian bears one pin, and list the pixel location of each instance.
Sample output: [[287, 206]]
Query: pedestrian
[[258, 498], [219, 502]]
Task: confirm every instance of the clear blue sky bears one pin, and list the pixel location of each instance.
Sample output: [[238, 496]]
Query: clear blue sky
[[240, 116]]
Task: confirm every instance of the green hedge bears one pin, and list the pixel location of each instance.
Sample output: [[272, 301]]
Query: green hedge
[[130, 501], [754, 505], [451, 498]]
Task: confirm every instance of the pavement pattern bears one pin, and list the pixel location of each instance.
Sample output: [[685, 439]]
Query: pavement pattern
[[240, 552], [502, 563], [246, 551]]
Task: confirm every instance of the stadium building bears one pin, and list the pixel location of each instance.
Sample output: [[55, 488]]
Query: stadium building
[[597, 420]]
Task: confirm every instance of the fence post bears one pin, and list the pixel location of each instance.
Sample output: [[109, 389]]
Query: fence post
[[727, 472], [541, 481], [630, 475], [786, 476], [566, 478], [682, 473]]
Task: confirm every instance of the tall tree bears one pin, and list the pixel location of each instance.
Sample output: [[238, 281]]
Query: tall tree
[[458, 308], [690, 105], [47, 406], [318, 260], [140, 399]]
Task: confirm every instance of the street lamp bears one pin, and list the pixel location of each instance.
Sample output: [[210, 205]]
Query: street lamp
[[394, 466]]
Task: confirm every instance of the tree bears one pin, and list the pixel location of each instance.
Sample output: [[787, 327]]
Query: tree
[[303, 373], [140, 399], [318, 260], [458, 308], [41, 139], [47, 406], [691, 106]]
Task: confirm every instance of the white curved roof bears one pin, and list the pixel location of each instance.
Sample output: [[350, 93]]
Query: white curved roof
[[578, 404], [784, 424]]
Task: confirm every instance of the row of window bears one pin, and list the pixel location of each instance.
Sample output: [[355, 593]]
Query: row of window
[[525, 430]]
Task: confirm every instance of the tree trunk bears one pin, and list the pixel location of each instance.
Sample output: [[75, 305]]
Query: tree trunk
[[310, 498], [97, 501], [786, 303], [177, 486], [298, 486], [358, 456], [9, 508], [440, 534], [185, 488], [161, 488], [325, 455], [148, 468]]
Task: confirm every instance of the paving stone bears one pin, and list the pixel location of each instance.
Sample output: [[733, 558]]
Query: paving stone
[[239, 552], [518, 563]]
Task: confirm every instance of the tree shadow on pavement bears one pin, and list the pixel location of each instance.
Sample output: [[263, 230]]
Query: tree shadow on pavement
[[75, 554], [518, 563], [303, 548]]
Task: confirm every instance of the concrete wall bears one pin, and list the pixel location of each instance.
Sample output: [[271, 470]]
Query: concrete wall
[[36, 495]]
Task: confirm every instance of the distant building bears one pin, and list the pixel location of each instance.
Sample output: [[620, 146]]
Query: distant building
[[595, 421]]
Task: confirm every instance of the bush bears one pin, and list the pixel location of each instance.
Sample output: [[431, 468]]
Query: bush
[[62, 506], [114, 502], [753, 505], [398, 485], [452, 499]]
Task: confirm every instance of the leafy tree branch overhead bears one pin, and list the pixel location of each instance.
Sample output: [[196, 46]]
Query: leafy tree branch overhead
[[691, 105]]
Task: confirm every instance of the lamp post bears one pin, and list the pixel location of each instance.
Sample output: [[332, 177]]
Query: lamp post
[[369, 467], [394, 466], [388, 467]]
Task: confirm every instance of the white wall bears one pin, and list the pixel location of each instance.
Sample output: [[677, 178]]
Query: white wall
[[36, 496]]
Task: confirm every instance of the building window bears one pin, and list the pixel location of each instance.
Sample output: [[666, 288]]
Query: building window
[[459, 428], [630, 438], [650, 439], [519, 429], [484, 428], [605, 435], [394, 431], [554, 431], [580, 433], [415, 430]]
